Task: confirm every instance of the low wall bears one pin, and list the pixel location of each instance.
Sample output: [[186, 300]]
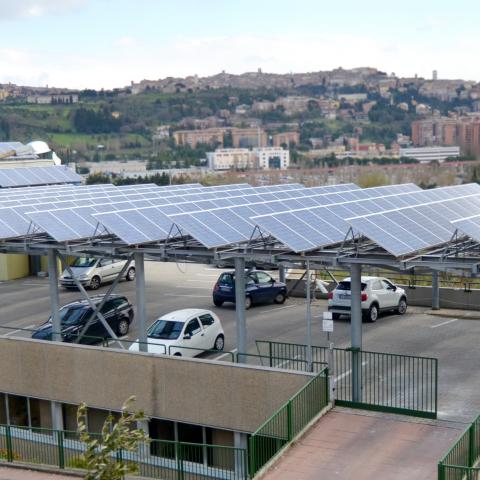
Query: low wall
[[221, 395], [419, 296]]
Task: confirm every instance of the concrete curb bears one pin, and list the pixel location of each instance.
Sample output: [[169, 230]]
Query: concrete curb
[[460, 314]]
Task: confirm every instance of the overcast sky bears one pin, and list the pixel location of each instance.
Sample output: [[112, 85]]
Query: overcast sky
[[108, 43]]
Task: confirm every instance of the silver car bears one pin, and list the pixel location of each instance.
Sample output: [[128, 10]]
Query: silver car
[[92, 272]]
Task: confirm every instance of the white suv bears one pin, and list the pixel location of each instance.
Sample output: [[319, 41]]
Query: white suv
[[378, 294]]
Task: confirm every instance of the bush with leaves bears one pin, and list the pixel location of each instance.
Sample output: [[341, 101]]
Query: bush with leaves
[[100, 458]]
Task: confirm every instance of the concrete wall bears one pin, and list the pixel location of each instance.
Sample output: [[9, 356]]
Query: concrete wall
[[13, 266], [221, 395]]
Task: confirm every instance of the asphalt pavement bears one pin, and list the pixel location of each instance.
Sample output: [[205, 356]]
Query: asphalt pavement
[[25, 303]]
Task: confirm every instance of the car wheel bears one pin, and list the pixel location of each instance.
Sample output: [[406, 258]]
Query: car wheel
[[130, 274], [248, 302], [178, 354], [219, 343], [123, 327], [95, 283], [402, 306], [218, 303], [279, 298], [372, 314], [335, 316]]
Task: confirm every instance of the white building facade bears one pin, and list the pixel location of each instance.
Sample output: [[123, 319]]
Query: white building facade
[[243, 158], [428, 154]]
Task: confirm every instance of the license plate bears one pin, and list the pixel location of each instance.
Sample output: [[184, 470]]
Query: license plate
[[225, 289], [344, 296]]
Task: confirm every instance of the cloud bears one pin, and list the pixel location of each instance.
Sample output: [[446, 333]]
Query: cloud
[[15, 9], [124, 59]]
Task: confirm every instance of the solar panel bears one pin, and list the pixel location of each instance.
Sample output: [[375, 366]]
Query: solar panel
[[469, 225], [17, 177]]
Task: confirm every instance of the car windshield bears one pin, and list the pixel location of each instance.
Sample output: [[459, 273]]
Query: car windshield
[[165, 329], [346, 286], [70, 316], [84, 262]]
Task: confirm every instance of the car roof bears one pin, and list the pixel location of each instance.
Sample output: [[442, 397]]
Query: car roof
[[364, 279], [96, 299], [184, 314]]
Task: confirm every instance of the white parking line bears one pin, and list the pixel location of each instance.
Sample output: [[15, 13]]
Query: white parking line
[[191, 286], [225, 354], [19, 330], [206, 275], [274, 310], [200, 281], [185, 295], [347, 373], [280, 365], [445, 323], [31, 284]]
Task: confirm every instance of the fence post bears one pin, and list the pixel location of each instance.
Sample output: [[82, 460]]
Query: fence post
[[9, 443], [61, 452], [270, 353], [441, 472], [252, 457], [178, 455], [472, 457], [289, 421]]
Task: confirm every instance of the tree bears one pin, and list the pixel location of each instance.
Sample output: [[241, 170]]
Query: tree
[[100, 457]]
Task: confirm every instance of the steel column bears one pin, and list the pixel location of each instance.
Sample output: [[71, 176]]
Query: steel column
[[54, 297], [356, 330], [435, 291], [241, 442], [141, 301], [309, 320], [240, 314]]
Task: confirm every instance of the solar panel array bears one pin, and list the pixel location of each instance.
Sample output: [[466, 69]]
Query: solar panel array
[[309, 229], [18, 177], [50, 213], [410, 229], [469, 226]]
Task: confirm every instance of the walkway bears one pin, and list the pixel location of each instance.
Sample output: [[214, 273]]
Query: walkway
[[346, 444], [10, 473]]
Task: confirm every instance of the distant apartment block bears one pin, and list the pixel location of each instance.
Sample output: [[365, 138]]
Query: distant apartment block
[[286, 138], [241, 137], [244, 158], [428, 154], [443, 131], [208, 136]]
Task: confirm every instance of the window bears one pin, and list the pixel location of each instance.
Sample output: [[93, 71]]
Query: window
[[193, 327], [226, 279], [346, 286], [250, 280], [206, 319], [118, 302], [165, 329], [85, 262], [105, 262], [263, 278], [71, 316], [377, 285], [386, 284]]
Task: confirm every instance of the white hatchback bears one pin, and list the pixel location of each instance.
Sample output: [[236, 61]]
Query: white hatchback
[[378, 294], [186, 333]]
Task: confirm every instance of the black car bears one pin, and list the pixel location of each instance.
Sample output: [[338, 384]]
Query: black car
[[117, 311], [260, 287]]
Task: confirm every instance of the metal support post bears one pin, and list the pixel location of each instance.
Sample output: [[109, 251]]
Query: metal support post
[[332, 383], [54, 298], [281, 273], [141, 301], [356, 329], [240, 442], [309, 321], [57, 415], [240, 315], [435, 291], [143, 447]]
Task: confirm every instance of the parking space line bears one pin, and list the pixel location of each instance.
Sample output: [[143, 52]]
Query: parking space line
[[200, 281], [225, 354], [170, 294], [31, 284], [206, 275], [19, 330], [191, 286], [276, 309], [445, 323], [347, 373]]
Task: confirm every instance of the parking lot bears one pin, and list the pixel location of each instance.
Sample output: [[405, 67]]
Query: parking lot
[[25, 303]]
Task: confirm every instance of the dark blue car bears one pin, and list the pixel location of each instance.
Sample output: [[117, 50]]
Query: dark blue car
[[260, 287]]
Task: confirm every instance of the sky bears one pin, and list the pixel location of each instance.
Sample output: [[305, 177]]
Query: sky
[[109, 43]]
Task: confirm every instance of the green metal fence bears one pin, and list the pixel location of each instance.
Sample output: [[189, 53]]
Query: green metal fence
[[388, 382], [163, 459], [461, 461], [285, 424]]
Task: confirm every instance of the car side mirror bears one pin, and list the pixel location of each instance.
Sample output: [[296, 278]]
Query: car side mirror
[[394, 288], [187, 336]]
